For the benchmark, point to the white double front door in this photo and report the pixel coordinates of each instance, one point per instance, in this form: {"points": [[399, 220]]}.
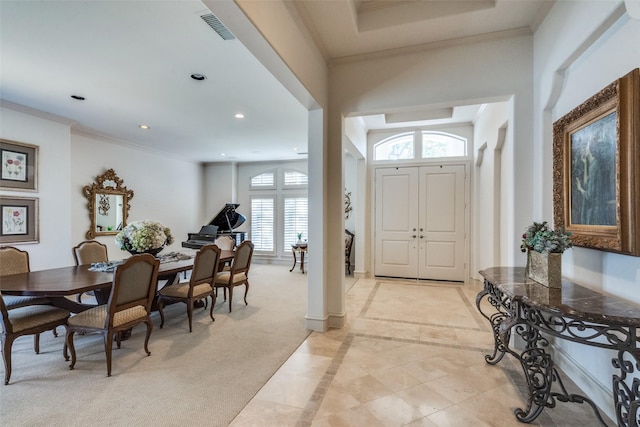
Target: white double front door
{"points": [[420, 222]]}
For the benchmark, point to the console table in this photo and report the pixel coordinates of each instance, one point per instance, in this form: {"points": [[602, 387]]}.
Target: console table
{"points": [[295, 250], [573, 312]]}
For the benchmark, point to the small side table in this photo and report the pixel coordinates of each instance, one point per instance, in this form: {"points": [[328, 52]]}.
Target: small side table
{"points": [[295, 250]]}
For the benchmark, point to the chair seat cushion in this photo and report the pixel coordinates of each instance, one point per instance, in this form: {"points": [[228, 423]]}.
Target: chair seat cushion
{"points": [[96, 317], [19, 301], [222, 278], [181, 290], [35, 315]]}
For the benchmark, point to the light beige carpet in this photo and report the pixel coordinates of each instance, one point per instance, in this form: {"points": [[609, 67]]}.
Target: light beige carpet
{"points": [[205, 377]]}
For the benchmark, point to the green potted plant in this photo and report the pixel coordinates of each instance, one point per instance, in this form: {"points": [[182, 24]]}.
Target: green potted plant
{"points": [[544, 248]]}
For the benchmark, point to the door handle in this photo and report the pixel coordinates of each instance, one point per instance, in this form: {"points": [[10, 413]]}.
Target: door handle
{"points": [[421, 236], [414, 236]]}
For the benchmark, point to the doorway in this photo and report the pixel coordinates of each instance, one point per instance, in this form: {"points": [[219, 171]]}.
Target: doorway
{"points": [[420, 222]]}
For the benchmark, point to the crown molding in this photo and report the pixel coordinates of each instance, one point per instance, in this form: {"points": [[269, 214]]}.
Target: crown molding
{"points": [[35, 112], [497, 35]]}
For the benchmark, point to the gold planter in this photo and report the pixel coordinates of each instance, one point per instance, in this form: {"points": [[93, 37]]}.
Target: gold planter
{"points": [[546, 269]]}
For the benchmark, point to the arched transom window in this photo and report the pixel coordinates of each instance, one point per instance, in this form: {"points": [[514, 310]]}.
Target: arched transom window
{"points": [[430, 145], [397, 147], [440, 144]]}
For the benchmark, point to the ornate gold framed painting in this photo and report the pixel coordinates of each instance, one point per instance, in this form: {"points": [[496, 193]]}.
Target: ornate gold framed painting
{"points": [[19, 166], [19, 220], [596, 169]]}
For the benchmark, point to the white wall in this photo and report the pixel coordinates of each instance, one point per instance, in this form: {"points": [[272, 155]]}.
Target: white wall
{"points": [[581, 48], [54, 176], [355, 147], [491, 71], [165, 190], [487, 203], [220, 188]]}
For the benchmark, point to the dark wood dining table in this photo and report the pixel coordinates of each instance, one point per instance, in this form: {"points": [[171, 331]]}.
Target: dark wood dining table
{"points": [[59, 283]]}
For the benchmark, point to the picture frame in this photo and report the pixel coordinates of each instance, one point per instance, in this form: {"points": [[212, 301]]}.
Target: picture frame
{"points": [[18, 166], [19, 220], [596, 169]]}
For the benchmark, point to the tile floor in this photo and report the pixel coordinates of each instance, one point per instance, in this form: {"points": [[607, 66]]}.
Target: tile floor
{"points": [[410, 355]]}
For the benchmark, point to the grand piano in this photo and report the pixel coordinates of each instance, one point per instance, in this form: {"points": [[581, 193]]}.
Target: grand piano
{"points": [[223, 224]]}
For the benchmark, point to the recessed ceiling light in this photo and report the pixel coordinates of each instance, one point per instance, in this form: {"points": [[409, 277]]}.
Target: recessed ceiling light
{"points": [[295, 148], [145, 127], [199, 77], [239, 116], [78, 97], [223, 154]]}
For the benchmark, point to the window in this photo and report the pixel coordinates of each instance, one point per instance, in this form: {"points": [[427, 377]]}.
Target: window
{"points": [[279, 209], [438, 144], [266, 179], [296, 178], [262, 223], [398, 147], [296, 219]]}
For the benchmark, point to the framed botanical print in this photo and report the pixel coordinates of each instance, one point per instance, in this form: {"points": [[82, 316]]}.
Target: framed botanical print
{"points": [[19, 217], [18, 166], [596, 169]]}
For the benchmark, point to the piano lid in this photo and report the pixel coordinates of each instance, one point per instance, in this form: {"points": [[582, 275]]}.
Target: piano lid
{"points": [[228, 219]]}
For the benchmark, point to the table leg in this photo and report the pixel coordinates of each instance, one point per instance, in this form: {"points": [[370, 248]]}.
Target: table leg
{"points": [[295, 259], [626, 388], [302, 261], [69, 305], [495, 320]]}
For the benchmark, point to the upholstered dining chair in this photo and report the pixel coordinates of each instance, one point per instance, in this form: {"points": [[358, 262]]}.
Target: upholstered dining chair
{"points": [[238, 274], [15, 261], [198, 287], [88, 252], [348, 244], [26, 320], [226, 243], [133, 289]]}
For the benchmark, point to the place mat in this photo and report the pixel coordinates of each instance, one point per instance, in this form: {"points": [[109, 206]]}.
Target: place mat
{"points": [[173, 256], [112, 265], [105, 266]]}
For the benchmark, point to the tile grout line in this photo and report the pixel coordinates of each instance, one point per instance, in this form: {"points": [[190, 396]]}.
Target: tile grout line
{"points": [[310, 411]]}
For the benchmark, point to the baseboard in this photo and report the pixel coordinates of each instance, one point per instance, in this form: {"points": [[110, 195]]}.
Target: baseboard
{"points": [[316, 324], [601, 395], [337, 321]]}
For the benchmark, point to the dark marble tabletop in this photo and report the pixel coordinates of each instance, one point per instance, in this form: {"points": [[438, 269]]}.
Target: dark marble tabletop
{"points": [[572, 300]]}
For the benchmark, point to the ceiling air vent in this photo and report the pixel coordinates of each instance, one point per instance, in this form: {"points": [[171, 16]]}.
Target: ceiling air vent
{"points": [[218, 26]]}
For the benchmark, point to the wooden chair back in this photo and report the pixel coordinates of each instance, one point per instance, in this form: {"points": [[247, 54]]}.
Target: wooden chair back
{"points": [[90, 251], [205, 265], [348, 244], [134, 284], [225, 243], [13, 261], [242, 258]]}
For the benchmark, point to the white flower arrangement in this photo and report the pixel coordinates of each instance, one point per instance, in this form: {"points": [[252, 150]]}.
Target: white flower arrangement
{"points": [[142, 236]]}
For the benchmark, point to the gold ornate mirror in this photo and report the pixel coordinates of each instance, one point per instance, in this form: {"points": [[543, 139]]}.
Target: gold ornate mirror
{"points": [[108, 204]]}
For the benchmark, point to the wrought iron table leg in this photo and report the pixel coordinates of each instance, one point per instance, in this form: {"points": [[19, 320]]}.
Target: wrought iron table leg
{"points": [[495, 320], [540, 373], [626, 389]]}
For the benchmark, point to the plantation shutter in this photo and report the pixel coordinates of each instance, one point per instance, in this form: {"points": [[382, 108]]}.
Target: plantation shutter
{"points": [[262, 223], [296, 219]]}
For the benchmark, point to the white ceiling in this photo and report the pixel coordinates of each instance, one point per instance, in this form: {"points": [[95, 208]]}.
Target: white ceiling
{"points": [[132, 61]]}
